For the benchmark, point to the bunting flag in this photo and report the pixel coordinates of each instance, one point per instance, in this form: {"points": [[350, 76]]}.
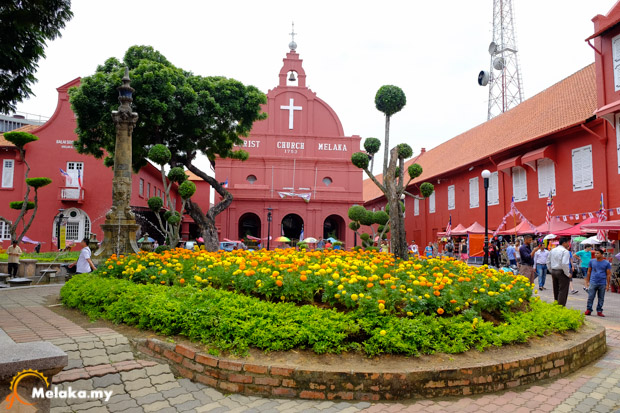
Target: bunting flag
{"points": [[602, 216], [517, 214], [550, 208], [449, 227]]}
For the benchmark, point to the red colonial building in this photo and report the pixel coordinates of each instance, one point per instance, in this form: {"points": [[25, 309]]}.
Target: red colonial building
{"points": [[299, 166], [84, 193], [563, 141]]}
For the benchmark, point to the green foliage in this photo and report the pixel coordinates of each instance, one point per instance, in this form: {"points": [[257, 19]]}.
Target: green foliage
{"points": [[19, 139], [27, 25], [177, 174], [356, 212], [38, 182], [18, 205], [189, 114], [162, 248], [381, 228], [47, 256], [397, 172], [426, 189], [302, 245], [390, 99], [174, 218], [240, 154], [360, 159], [404, 151], [380, 217], [354, 225], [402, 207], [155, 204], [233, 322], [414, 170], [365, 237], [372, 145], [368, 218], [160, 154], [187, 189]]}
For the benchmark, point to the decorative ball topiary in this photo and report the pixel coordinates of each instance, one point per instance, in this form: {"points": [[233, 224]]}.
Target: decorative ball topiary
{"points": [[390, 99], [404, 151], [365, 236], [354, 226], [167, 215], [174, 218], [368, 218], [177, 174], [18, 205], [414, 170], [357, 212], [426, 189], [360, 159], [38, 182], [160, 154], [187, 189], [20, 139], [381, 217], [155, 204], [302, 245], [372, 145], [162, 248]]}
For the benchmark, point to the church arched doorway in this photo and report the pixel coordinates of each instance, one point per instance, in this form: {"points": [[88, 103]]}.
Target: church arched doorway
{"points": [[249, 224], [333, 226], [292, 225]]}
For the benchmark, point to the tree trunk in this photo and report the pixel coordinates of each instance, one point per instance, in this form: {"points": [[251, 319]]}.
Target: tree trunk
{"points": [[397, 221]]}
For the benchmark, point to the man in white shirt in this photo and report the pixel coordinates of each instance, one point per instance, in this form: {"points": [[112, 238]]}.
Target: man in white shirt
{"points": [[540, 259], [84, 263], [559, 263], [14, 252]]}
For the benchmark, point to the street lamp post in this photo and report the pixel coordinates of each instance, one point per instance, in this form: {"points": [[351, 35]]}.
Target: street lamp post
{"points": [[268, 226], [58, 224], [486, 174]]}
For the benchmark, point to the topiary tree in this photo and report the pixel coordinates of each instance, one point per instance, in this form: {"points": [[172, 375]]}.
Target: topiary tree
{"points": [[161, 155], [390, 100], [20, 140], [191, 115], [361, 216]]}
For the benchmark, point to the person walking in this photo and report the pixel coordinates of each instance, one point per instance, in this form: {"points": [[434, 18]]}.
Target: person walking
{"points": [[511, 253], [450, 248], [428, 251], [584, 260], [598, 281], [464, 256], [540, 259], [559, 262], [84, 263], [527, 259], [14, 252], [413, 248], [494, 254]]}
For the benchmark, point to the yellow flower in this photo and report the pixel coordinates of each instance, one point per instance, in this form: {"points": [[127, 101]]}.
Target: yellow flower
{"points": [[383, 332], [354, 297]]}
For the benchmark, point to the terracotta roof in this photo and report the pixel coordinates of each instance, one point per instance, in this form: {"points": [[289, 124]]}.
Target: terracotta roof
{"points": [[567, 103], [25, 128]]}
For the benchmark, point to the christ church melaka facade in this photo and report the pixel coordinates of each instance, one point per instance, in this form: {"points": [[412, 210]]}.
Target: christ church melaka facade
{"points": [[299, 166]]}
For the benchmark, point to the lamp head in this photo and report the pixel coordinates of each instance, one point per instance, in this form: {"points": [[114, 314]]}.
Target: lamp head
{"points": [[486, 174]]}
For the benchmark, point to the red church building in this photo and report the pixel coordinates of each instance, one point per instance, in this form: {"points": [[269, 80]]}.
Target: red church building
{"points": [[81, 185], [564, 141], [299, 169]]}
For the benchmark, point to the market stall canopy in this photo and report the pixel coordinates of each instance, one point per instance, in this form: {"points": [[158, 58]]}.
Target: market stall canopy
{"points": [[591, 241], [556, 225], [576, 229], [474, 228], [521, 229], [605, 225], [458, 230]]}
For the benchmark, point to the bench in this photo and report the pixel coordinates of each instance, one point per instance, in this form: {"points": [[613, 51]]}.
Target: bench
{"points": [[18, 282], [4, 276], [48, 274]]}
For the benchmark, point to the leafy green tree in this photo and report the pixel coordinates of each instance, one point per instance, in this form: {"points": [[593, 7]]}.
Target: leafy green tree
{"points": [[390, 100], [26, 26], [189, 114], [361, 216], [21, 139]]}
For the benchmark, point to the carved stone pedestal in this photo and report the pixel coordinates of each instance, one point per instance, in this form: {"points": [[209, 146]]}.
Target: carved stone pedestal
{"points": [[118, 238]]}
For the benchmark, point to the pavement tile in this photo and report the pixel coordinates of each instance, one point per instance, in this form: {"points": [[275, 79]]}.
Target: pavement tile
{"points": [[155, 407], [122, 405]]}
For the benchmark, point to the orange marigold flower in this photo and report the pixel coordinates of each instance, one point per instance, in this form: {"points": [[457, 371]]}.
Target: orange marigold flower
{"points": [[437, 293], [279, 283], [370, 285], [303, 278], [453, 301], [381, 301], [182, 280], [440, 311]]}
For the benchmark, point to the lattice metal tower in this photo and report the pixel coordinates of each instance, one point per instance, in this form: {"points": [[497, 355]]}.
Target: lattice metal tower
{"points": [[503, 77]]}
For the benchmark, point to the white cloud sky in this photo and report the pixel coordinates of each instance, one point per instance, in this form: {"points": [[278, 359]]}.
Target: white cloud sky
{"points": [[432, 50]]}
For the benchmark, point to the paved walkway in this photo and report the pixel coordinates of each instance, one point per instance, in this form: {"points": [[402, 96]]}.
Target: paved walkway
{"points": [[102, 359]]}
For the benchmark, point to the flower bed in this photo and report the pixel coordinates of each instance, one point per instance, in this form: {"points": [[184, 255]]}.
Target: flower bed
{"points": [[325, 301]]}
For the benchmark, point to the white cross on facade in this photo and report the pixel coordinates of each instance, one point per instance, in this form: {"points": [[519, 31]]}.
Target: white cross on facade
{"points": [[291, 111]]}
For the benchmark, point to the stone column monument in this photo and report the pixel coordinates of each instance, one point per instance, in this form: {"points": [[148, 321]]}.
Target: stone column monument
{"points": [[120, 225]]}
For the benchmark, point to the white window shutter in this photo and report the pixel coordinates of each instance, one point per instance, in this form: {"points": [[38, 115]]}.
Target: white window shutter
{"points": [[431, 203], [582, 168], [8, 167], [546, 177], [474, 193], [618, 139], [615, 45], [519, 184], [494, 189], [416, 207], [451, 200]]}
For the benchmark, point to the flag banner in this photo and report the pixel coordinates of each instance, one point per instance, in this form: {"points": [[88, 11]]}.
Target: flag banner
{"points": [[68, 178], [617, 210], [564, 218], [514, 211], [590, 215], [305, 197], [611, 212]]}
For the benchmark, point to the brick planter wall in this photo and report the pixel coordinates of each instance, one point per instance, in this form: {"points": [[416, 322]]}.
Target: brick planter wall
{"points": [[255, 379]]}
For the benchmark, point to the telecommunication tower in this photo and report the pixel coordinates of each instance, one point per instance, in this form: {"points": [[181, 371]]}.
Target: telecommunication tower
{"points": [[503, 77]]}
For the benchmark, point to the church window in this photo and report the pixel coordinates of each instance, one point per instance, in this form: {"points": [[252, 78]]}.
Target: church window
{"points": [[451, 200], [141, 187], [494, 189], [519, 184], [416, 207], [8, 167], [327, 181], [582, 168], [546, 177], [251, 179], [474, 193], [431, 203]]}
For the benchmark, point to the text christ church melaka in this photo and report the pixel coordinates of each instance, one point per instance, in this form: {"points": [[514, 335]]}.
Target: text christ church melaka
{"points": [[299, 166]]}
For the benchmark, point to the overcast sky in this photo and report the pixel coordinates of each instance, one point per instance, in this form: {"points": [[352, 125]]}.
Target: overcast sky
{"points": [[433, 50]]}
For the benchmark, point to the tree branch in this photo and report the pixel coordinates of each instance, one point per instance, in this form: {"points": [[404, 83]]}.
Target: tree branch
{"points": [[34, 212], [226, 196], [372, 177]]}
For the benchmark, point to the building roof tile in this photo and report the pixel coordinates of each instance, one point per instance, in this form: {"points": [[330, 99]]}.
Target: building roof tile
{"points": [[567, 103], [25, 128]]}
